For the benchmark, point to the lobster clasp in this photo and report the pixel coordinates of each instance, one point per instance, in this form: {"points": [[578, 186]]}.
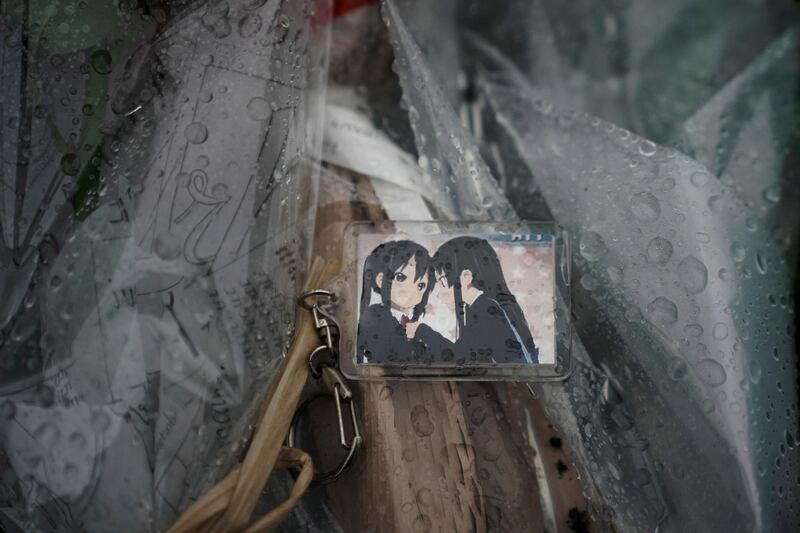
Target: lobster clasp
{"points": [[334, 385], [326, 325], [333, 380], [324, 366]]}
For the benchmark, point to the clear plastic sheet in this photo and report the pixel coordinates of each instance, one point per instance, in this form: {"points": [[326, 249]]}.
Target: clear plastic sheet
{"points": [[683, 412], [140, 332]]}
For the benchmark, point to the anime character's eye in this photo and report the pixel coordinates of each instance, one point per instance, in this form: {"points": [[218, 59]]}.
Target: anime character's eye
{"points": [[399, 276], [421, 285]]}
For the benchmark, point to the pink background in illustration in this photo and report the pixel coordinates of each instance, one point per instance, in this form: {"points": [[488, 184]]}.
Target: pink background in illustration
{"points": [[528, 269]]}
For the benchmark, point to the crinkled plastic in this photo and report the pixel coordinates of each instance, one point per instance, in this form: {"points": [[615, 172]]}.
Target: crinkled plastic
{"points": [[682, 411], [139, 334]]}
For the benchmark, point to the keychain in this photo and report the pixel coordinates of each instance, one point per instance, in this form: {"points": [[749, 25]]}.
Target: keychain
{"points": [[324, 367]]}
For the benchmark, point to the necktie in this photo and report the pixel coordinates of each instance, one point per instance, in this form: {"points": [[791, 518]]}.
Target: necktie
{"points": [[404, 320]]}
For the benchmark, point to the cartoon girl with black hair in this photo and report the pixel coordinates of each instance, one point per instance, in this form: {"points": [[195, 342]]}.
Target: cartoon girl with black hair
{"points": [[400, 272], [491, 327]]}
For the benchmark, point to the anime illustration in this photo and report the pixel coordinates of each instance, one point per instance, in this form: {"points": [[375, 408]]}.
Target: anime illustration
{"points": [[399, 273], [469, 286]]}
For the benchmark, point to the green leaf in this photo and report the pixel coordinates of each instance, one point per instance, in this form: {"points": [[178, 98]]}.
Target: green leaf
{"points": [[87, 185], [90, 142], [93, 111]]}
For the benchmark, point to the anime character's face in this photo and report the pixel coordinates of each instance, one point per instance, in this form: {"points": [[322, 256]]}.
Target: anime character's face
{"points": [[444, 292], [406, 291]]}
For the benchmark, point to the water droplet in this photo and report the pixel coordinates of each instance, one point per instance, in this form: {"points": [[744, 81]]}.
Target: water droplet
{"points": [[693, 274], [647, 148], [196, 133], [737, 252], [283, 20], [676, 370], [659, 250], [101, 61], [720, 331], [772, 194], [70, 164], [615, 274], [249, 25], [424, 497], [693, 330], [421, 421], [711, 372], [702, 237], [251, 5], [258, 108], [645, 207], [716, 203], [761, 263], [591, 247], [726, 275], [668, 185], [409, 455], [589, 282], [215, 20], [422, 524], [700, 178], [385, 392], [662, 312], [754, 371]]}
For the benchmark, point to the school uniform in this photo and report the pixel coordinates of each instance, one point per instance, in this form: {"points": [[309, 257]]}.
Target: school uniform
{"points": [[488, 335], [382, 337]]}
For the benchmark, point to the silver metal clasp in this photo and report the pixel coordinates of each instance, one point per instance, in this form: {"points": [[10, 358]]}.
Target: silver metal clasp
{"points": [[324, 366]]}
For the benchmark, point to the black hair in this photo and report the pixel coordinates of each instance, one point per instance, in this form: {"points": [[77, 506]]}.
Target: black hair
{"points": [[479, 257], [389, 258]]}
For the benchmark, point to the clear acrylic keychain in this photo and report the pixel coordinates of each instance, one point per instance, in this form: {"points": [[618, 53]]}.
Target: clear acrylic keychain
{"points": [[454, 301]]}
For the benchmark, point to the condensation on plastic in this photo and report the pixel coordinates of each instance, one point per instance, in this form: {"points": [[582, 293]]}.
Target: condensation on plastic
{"points": [[140, 334], [585, 400], [668, 430], [682, 411]]}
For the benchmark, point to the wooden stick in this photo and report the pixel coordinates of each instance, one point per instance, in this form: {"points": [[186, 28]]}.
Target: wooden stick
{"points": [[229, 505]]}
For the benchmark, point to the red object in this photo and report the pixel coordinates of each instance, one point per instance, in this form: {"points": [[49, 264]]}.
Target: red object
{"points": [[404, 320], [340, 7]]}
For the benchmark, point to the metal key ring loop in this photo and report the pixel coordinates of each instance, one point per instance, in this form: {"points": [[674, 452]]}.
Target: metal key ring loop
{"points": [[305, 300], [352, 447]]}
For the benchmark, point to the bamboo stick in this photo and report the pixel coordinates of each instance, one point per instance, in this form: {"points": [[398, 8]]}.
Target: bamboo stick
{"points": [[229, 505]]}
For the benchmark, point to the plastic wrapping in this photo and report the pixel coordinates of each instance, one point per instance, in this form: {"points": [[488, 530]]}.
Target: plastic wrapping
{"points": [[153, 243], [667, 252], [136, 346]]}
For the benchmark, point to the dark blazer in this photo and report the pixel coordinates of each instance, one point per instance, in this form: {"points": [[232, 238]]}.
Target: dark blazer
{"points": [[381, 339], [487, 337]]}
